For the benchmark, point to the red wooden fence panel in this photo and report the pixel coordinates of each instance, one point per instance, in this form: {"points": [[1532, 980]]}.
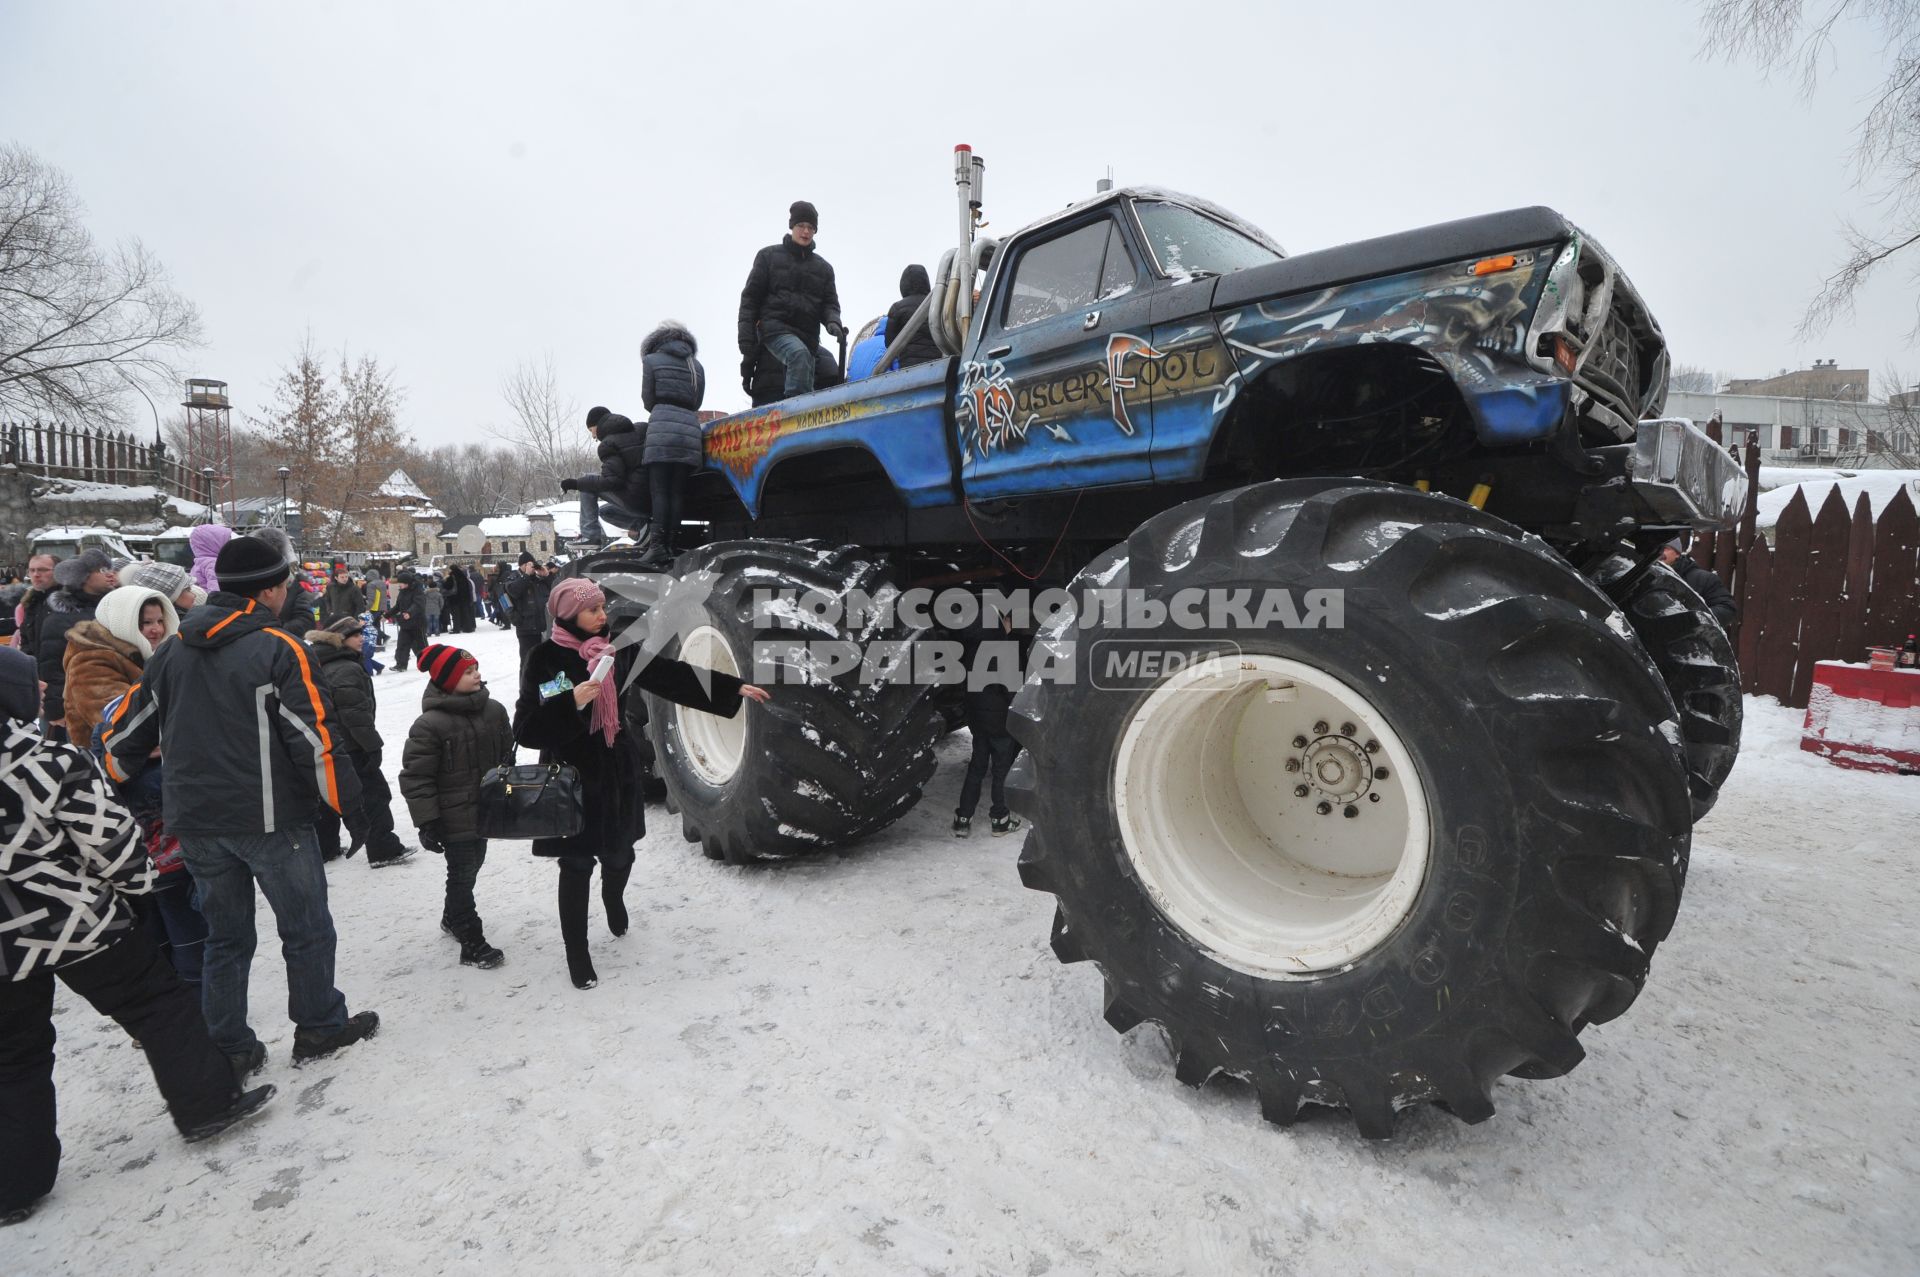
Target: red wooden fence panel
{"points": [[1792, 543], [1853, 623], [1756, 580], [1825, 595]]}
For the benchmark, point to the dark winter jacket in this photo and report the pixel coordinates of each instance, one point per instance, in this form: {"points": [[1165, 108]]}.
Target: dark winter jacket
{"points": [[351, 689], [65, 609], [408, 611], [672, 386], [33, 616], [789, 290], [10, 597], [252, 740], [609, 775], [914, 288], [68, 850], [296, 614], [342, 598], [1712, 591], [457, 739], [623, 476], [527, 596]]}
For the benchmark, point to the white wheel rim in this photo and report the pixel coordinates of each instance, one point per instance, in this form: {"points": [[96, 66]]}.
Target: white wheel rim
{"points": [[1227, 848], [715, 745]]}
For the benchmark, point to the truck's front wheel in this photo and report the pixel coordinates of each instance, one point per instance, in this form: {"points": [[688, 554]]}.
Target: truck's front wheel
{"points": [[1382, 858], [829, 759]]}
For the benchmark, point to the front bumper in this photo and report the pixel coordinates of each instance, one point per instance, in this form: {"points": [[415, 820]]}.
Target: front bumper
{"points": [[1683, 477]]}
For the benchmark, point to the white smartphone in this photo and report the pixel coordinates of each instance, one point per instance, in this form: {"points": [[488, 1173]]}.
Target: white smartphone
{"points": [[601, 668]]}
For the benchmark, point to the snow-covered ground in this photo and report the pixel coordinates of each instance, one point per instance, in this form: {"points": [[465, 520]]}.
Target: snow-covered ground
{"points": [[872, 1064]]}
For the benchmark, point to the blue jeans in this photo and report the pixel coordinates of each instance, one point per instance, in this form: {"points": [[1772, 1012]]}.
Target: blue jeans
{"points": [[287, 866], [593, 505], [798, 360]]}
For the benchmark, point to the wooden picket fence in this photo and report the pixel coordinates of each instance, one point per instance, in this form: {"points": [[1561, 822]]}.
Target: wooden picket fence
{"points": [[90, 455], [1833, 583]]}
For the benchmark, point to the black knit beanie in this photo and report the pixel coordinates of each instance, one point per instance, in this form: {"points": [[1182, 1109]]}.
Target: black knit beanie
{"points": [[801, 211], [594, 414], [248, 565]]}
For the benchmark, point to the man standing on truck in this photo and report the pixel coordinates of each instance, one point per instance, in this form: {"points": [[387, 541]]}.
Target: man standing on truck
{"points": [[789, 297]]}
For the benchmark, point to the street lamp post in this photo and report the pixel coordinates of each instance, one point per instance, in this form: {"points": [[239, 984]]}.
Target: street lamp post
{"points": [[284, 474], [207, 473]]}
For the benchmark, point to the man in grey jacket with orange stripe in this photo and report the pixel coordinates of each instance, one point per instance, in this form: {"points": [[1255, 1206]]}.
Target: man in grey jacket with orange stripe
{"points": [[250, 741]]}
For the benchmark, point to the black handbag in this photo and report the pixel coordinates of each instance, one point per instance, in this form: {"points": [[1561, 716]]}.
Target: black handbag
{"points": [[538, 801]]}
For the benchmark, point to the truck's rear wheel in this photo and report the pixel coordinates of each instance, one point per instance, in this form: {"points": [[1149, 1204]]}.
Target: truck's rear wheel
{"points": [[825, 762], [1697, 660], [1370, 865]]}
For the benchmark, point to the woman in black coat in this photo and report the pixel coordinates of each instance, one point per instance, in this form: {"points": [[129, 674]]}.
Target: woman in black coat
{"points": [[572, 720]]}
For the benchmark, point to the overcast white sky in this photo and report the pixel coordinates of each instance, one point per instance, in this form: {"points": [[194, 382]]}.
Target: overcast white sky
{"points": [[455, 187]]}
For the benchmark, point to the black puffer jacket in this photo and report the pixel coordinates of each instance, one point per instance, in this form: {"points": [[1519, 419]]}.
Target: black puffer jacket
{"points": [[252, 740], [33, 615], [914, 287], [622, 476], [609, 774], [408, 609], [342, 598], [789, 290], [351, 687], [672, 386], [527, 596], [457, 739], [65, 609]]}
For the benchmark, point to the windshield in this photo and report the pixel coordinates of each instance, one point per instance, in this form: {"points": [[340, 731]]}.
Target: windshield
{"points": [[1188, 243]]}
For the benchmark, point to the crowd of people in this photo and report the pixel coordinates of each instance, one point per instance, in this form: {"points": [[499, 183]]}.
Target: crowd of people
{"points": [[196, 747], [174, 740]]}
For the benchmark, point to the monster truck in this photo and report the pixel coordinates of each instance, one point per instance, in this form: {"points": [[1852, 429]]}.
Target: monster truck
{"points": [[1410, 832]]}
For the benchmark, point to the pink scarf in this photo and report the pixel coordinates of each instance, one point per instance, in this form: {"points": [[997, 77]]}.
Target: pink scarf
{"points": [[606, 706]]}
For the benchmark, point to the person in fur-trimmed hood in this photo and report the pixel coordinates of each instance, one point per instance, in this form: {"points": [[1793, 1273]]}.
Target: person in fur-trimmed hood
{"points": [[672, 387], [107, 653], [83, 580]]}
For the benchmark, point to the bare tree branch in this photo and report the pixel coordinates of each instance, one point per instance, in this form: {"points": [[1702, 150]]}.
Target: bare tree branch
{"points": [[546, 423], [1886, 152], [74, 322]]}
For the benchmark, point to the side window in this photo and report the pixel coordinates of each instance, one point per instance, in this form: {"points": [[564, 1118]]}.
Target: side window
{"points": [[1118, 275], [1059, 276]]}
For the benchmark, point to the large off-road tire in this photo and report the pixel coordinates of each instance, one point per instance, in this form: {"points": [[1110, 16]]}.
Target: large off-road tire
{"points": [[1695, 657], [1525, 853], [827, 761]]}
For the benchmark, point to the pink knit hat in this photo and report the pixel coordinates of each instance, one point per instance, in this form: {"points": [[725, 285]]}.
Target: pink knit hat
{"points": [[573, 596]]}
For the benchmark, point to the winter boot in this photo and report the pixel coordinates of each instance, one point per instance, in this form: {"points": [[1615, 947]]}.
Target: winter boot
{"points": [[476, 952], [614, 872], [404, 854], [573, 928], [246, 1106], [312, 1044], [19, 1214], [247, 1062], [962, 826], [1005, 824]]}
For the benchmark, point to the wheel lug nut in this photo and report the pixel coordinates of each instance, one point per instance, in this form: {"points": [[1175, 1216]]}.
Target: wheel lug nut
{"points": [[1349, 811], [1379, 773], [1348, 729], [1299, 742], [1324, 808], [1373, 798], [1373, 747], [1300, 791], [1320, 728], [1293, 764]]}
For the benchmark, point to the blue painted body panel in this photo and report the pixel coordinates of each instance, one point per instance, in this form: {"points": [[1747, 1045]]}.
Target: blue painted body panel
{"points": [[1143, 402]]}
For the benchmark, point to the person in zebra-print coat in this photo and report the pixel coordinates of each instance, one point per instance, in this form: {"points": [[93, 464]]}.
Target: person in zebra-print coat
{"points": [[69, 855]]}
